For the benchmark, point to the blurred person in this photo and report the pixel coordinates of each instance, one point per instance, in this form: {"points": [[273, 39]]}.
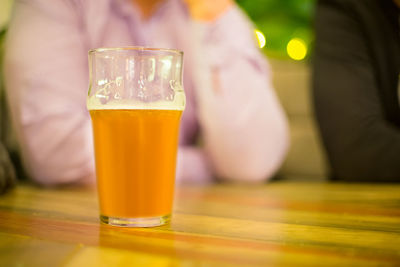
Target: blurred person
{"points": [[230, 100], [7, 170], [356, 87]]}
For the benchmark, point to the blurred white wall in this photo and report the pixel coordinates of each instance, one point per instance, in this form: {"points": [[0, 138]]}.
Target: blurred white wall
{"points": [[306, 158]]}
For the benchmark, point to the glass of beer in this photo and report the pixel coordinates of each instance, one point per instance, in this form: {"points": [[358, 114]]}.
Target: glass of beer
{"points": [[135, 100]]}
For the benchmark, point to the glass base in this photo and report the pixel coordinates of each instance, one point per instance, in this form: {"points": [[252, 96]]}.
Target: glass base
{"points": [[136, 222]]}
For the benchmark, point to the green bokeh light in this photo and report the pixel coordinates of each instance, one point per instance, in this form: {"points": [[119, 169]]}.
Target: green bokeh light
{"points": [[281, 21]]}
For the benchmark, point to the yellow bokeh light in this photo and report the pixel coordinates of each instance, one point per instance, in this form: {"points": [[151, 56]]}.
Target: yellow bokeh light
{"points": [[260, 38], [296, 49]]}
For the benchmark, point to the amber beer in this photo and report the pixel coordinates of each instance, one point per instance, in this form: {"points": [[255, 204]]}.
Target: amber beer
{"points": [[135, 153], [135, 100]]}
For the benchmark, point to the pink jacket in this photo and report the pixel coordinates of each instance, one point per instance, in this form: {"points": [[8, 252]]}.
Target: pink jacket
{"points": [[243, 129]]}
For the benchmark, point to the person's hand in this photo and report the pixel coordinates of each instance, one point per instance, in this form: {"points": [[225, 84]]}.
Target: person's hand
{"points": [[7, 173], [207, 10]]}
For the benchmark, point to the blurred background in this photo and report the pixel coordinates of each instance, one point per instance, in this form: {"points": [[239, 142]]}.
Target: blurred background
{"points": [[284, 30], [285, 34]]}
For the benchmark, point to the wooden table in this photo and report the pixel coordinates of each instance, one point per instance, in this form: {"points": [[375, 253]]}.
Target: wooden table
{"points": [[281, 223]]}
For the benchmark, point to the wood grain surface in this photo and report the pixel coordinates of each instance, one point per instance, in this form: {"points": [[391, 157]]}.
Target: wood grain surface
{"points": [[276, 224]]}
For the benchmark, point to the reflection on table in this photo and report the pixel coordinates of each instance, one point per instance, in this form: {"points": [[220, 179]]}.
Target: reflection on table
{"points": [[279, 223]]}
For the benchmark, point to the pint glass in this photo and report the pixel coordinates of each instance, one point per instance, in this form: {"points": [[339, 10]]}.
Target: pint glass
{"points": [[135, 102]]}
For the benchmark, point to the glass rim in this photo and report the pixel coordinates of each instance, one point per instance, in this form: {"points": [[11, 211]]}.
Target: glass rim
{"points": [[136, 48]]}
